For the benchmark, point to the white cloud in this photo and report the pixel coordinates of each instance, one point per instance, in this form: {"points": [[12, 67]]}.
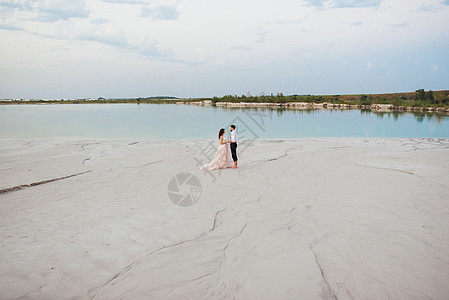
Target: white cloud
{"points": [[161, 12], [267, 40], [399, 25], [132, 2], [104, 32], [49, 10], [52, 10], [344, 3]]}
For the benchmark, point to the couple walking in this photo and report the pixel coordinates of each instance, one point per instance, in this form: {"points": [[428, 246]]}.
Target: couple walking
{"points": [[223, 158]]}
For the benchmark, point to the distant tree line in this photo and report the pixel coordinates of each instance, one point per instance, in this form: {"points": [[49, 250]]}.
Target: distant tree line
{"points": [[418, 98]]}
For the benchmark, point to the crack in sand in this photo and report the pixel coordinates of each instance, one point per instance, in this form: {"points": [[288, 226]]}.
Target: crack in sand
{"points": [[83, 145], [224, 255], [153, 162], [215, 218], [285, 153], [146, 165], [275, 158], [22, 186], [402, 171], [326, 282], [131, 265], [380, 284], [390, 169]]}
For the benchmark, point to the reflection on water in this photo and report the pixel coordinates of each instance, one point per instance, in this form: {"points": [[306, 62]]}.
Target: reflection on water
{"points": [[419, 116], [168, 121]]}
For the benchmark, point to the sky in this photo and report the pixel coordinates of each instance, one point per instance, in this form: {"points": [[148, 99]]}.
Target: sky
{"points": [[73, 49]]}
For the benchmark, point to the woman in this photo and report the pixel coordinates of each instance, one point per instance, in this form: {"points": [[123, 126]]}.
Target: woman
{"points": [[223, 157]]}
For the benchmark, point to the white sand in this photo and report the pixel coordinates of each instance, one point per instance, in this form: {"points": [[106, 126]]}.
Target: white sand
{"points": [[307, 219]]}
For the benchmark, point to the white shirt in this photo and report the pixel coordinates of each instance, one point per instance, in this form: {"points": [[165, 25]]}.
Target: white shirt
{"points": [[233, 136]]}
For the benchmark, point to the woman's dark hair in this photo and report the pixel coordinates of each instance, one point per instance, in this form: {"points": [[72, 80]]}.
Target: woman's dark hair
{"points": [[220, 133]]}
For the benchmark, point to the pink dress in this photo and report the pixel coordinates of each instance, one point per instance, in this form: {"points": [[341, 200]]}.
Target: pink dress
{"points": [[221, 160]]}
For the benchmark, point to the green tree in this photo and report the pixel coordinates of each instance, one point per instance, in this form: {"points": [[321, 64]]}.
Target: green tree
{"points": [[420, 95], [431, 97]]}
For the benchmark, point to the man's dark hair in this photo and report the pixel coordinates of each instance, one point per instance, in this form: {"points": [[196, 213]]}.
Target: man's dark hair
{"points": [[233, 126]]}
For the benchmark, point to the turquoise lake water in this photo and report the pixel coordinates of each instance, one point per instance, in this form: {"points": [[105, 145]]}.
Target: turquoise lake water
{"points": [[170, 121]]}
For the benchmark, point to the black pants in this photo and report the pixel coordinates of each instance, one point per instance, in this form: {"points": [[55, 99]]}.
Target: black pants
{"points": [[234, 151]]}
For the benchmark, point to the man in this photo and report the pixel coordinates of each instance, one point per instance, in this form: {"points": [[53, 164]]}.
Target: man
{"points": [[233, 145]]}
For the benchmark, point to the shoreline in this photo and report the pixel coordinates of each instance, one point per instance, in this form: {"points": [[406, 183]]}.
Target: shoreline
{"points": [[194, 140], [313, 105], [287, 105], [417, 101]]}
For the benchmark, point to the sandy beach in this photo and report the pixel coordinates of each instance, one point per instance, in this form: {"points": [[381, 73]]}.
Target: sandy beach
{"points": [[332, 218]]}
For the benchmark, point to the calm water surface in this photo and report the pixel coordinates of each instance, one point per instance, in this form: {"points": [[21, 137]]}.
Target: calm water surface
{"points": [[170, 121]]}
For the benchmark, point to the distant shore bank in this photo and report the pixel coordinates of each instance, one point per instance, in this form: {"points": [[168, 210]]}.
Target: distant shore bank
{"points": [[306, 105], [418, 101]]}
